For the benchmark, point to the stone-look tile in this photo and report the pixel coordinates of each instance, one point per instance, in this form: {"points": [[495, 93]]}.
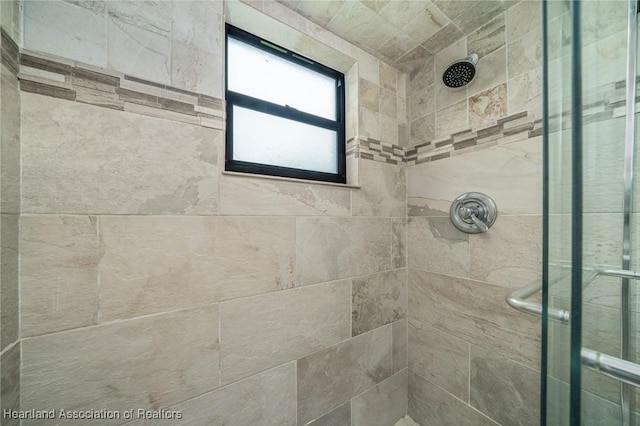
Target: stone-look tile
{"points": [[494, 72], [383, 404], [394, 48], [368, 123], [59, 273], [340, 416], [10, 383], [369, 95], [320, 12], [398, 243], [441, 358], [602, 20], [445, 37], [525, 93], [451, 118], [435, 245], [9, 280], [422, 77], [595, 410], [607, 58], [422, 102], [149, 363], [486, 171], [402, 110], [350, 20], [388, 129], [264, 331], [400, 345], [497, 382], [488, 106], [382, 192], [402, 11], [477, 14], [378, 299], [488, 38], [376, 33], [388, 103], [423, 130], [331, 377], [430, 405], [388, 77], [150, 16], [522, 18], [246, 196], [426, 24], [476, 312], [524, 54], [160, 263], [334, 248], [510, 254], [9, 143], [46, 29], [148, 55], [196, 70], [267, 398], [85, 159]]}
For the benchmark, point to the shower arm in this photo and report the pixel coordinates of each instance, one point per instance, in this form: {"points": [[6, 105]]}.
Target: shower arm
{"points": [[616, 368]]}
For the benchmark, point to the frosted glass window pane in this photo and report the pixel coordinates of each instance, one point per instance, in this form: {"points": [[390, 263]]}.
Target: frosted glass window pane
{"points": [[267, 139], [259, 74]]}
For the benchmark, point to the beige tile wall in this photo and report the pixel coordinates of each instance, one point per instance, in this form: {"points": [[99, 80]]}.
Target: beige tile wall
{"points": [[10, 348], [152, 280], [508, 77], [470, 354]]}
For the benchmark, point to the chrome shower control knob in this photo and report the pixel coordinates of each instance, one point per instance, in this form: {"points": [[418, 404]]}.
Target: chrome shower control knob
{"points": [[473, 212]]}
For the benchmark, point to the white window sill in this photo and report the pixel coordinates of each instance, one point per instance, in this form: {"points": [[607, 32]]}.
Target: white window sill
{"points": [[286, 179]]}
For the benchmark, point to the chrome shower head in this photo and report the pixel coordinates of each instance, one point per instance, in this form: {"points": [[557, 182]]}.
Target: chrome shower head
{"points": [[461, 72]]}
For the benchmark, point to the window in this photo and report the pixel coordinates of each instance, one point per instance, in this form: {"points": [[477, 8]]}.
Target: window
{"points": [[285, 113]]}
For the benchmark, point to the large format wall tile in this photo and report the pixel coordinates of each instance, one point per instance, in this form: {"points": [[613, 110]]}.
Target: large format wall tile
{"points": [[47, 27], [268, 399], [10, 383], [59, 273], [331, 377], [439, 357], [497, 382], [383, 191], [382, 405], [340, 416], [147, 363], [400, 345], [334, 248], [148, 51], [430, 405], [399, 243], [9, 280], [483, 171], [510, 254], [434, 244], [263, 331], [476, 312], [247, 196], [160, 263], [80, 158], [378, 299]]}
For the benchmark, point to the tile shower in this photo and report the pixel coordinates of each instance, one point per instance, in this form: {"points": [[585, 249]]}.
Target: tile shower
{"points": [[148, 279]]}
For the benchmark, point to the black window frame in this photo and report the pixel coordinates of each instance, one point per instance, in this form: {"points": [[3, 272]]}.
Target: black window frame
{"points": [[260, 105]]}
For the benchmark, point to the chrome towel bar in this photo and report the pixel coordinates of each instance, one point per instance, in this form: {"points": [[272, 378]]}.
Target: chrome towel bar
{"points": [[619, 369]]}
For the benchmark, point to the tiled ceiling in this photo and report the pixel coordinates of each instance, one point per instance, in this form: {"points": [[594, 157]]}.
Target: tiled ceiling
{"points": [[402, 32]]}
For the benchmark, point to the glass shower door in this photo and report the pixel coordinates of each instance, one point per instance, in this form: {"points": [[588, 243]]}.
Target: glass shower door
{"points": [[590, 225]]}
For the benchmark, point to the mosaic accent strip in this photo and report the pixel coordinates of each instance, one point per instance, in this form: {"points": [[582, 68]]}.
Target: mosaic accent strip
{"points": [[75, 82], [508, 129], [372, 149]]}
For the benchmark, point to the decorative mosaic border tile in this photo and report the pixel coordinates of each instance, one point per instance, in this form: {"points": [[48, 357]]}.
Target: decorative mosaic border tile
{"points": [[80, 83], [513, 128]]}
